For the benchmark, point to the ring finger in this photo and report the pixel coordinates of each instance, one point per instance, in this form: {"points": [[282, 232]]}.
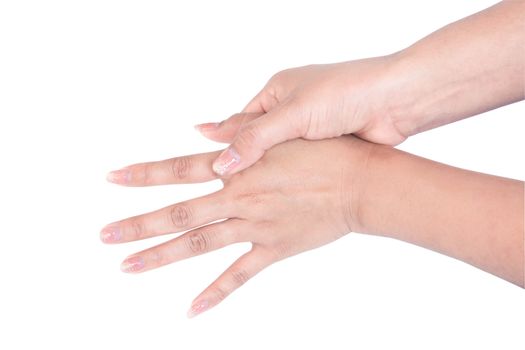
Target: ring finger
{"points": [[196, 242]]}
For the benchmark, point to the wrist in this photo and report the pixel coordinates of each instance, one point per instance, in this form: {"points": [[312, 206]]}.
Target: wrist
{"points": [[355, 168], [407, 86], [392, 112], [378, 189]]}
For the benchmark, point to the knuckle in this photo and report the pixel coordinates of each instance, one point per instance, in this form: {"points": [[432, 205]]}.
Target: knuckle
{"points": [[180, 216], [234, 117], [219, 293], [180, 167], [137, 228], [248, 136], [235, 235], [157, 258], [250, 198], [282, 250], [279, 76], [146, 177], [240, 277], [294, 117], [198, 242], [274, 79]]}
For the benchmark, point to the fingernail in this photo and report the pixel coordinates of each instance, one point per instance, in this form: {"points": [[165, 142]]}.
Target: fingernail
{"points": [[132, 264], [110, 234], [121, 176], [198, 308], [226, 161], [206, 127]]}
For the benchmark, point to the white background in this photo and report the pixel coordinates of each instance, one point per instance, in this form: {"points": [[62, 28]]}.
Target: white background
{"points": [[90, 86]]}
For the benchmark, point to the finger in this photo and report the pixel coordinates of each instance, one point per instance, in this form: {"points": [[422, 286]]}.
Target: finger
{"points": [[174, 218], [178, 170], [235, 276], [226, 130], [263, 102], [195, 242], [255, 138]]}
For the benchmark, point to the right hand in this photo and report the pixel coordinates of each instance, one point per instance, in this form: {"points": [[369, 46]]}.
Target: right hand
{"points": [[311, 102]]}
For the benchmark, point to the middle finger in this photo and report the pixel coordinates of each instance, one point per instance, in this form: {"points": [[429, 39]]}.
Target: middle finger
{"points": [[171, 219]]}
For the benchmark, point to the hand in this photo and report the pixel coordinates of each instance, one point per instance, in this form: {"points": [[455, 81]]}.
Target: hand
{"points": [[386, 99], [297, 197], [312, 102]]}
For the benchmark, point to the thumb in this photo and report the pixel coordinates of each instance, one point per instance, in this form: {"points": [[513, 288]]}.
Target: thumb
{"points": [[255, 137]]}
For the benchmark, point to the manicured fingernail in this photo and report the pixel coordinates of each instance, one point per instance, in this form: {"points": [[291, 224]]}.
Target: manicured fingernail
{"points": [[226, 161], [206, 127], [132, 264], [110, 234], [121, 176], [198, 308]]}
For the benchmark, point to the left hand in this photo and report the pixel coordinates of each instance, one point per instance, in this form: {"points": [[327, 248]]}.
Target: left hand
{"points": [[299, 196]]}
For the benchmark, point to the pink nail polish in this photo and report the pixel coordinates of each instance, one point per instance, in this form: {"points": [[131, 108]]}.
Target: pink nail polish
{"points": [[198, 308], [121, 176], [226, 161], [132, 264], [110, 234], [206, 127]]}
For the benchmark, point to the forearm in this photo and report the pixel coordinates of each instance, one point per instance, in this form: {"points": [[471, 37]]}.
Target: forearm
{"points": [[466, 68], [473, 217]]}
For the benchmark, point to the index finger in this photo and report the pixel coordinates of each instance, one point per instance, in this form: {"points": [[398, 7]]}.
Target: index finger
{"points": [[179, 170]]}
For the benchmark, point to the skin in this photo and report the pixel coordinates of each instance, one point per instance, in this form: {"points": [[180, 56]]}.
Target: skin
{"points": [[468, 67], [304, 194], [301, 194]]}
